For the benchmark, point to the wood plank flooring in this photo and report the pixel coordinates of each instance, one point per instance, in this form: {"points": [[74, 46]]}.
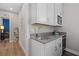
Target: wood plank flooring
{"points": [[10, 49]]}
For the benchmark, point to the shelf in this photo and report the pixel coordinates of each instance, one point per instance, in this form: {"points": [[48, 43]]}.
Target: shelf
{"points": [[46, 24]]}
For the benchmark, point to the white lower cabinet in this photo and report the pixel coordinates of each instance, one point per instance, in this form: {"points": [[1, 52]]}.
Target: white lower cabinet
{"points": [[59, 46], [37, 48], [50, 49], [53, 48]]}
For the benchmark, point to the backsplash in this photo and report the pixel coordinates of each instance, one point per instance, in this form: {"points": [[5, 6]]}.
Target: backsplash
{"points": [[46, 34], [37, 28], [43, 34]]}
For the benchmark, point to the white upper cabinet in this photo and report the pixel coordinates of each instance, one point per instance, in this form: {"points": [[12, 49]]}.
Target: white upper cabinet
{"points": [[33, 11], [50, 13], [47, 13], [42, 13], [59, 8], [39, 13], [58, 15]]}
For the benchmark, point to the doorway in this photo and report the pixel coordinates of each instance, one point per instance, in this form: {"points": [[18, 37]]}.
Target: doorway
{"points": [[6, 25], [5, 34]]}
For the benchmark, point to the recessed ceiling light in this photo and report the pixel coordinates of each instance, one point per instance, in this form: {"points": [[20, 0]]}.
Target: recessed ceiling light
{"points": [[11, 8]]}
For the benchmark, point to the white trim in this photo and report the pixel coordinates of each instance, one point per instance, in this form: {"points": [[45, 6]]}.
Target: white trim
{"points": [[8, 11], [23, 49], [72, 51], [10, 41]]}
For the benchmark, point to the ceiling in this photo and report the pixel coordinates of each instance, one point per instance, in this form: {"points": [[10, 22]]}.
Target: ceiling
{"points": [[11, 7]]}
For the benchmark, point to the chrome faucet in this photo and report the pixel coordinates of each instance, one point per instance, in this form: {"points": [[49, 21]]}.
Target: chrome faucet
{"points": [[37, 32]]}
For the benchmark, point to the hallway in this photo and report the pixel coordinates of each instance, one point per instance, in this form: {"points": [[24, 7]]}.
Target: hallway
{"points": [[10, 49]]}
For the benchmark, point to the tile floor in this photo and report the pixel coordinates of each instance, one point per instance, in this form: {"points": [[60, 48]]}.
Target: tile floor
{"points": [[68, 54]]}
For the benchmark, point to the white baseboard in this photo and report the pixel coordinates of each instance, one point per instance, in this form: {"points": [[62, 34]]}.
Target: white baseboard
{"points": [[72, 51], [23, 49], [10, 41]]}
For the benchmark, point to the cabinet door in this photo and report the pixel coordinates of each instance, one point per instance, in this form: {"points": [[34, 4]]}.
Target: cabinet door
{"points": [[58, 12], [59, 46], [37, 48], [50, 49], [42, 13], [33, 12], [59, 8], [50, 13]]}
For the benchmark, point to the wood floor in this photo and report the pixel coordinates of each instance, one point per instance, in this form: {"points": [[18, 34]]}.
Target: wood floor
{"points": [[10, 49]]}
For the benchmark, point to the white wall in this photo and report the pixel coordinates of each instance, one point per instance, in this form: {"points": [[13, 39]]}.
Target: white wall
{"points": [[24, 28], [71, 25], [13, 21], [1, 22]]}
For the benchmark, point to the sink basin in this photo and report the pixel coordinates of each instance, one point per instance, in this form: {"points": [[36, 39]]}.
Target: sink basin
{"points": [[39, 38]]}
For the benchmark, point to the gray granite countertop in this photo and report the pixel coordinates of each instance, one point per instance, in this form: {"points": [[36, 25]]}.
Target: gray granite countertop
{"points": [[45, 40], [47, 37]]}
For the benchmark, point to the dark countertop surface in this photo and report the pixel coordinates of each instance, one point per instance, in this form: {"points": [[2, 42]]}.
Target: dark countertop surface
{"points": [[47, 39]]}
